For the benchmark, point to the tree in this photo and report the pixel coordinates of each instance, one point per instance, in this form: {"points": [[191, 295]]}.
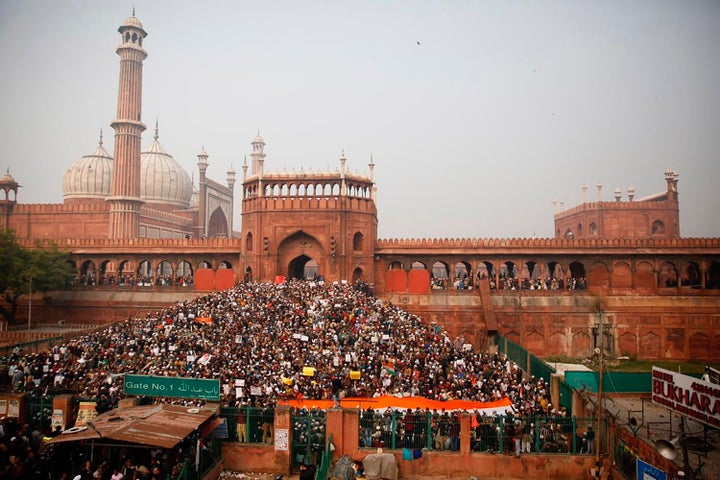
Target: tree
{"points": [[42, 269]]}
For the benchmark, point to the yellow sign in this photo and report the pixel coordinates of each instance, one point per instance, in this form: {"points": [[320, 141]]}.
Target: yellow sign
{"points": [[309, 371]]}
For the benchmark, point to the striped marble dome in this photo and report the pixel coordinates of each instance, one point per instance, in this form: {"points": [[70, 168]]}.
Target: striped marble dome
{"points": [[162, 180], [90, 177]]}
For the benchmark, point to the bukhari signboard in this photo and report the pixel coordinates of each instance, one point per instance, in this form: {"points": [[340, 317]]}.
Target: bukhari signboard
{"points": [[687, 395], [175, 387]]}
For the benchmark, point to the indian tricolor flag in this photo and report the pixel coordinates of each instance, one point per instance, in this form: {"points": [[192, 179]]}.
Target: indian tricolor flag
{"points": [[388, 368]]}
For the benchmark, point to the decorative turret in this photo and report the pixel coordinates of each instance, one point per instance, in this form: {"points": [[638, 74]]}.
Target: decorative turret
{"points": [[258, 155], [8, 199]]}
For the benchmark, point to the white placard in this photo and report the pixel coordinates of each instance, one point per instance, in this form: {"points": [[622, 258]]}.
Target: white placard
{"points": [[281, 439]]}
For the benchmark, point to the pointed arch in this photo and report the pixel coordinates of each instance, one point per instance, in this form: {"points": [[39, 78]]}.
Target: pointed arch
{"points": [[218, 224]]}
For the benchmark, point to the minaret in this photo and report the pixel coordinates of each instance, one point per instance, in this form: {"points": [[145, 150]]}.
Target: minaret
{"points": [[257, 155], [231, 179], [202, 206], [124, 196]]}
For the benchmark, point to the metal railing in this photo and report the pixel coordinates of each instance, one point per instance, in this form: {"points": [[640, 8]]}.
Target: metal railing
{"points": [[496, 434], [249, 424]]}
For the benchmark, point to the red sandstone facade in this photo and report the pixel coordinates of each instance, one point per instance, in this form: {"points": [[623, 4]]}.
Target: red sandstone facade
{"points": [[660, 294]]}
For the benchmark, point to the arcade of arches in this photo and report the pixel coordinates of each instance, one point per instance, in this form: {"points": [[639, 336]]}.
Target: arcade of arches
{"points": [[423, 275]]}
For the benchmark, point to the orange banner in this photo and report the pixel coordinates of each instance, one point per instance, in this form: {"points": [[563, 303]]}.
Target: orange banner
{"points": [[207, 320], [387, 401]]}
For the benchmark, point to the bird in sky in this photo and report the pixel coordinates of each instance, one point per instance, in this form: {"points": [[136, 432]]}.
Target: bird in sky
{"points": [[418, 42]]}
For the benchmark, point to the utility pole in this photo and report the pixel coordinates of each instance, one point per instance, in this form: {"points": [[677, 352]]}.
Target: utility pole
{"points": [[29, 311], [601, 360]]}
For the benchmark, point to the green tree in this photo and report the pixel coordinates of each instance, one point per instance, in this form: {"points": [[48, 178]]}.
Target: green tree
{"points": [[43, 268]]}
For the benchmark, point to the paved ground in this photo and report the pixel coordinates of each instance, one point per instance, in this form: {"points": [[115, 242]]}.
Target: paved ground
{"points": [[655, 422]]}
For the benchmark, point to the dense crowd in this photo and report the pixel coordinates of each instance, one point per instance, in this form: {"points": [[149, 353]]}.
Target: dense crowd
{"points": [[257, 338], [267, 342]]}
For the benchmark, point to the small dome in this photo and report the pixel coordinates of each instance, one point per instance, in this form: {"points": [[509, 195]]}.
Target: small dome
{"points": [[8, 179], [89, 177], [162, 179], [133, 22], [258, 139]]}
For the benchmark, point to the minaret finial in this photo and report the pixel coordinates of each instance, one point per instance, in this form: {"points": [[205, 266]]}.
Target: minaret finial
{"points": [[101, 140], [157, 129], [133, 12]]}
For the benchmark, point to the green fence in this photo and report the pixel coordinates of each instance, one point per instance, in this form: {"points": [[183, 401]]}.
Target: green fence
{"points": [[537, 367], [613, 382], [526, 360], [325, 462]]}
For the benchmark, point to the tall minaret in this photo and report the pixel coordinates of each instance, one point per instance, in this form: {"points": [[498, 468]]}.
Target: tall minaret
{"points": [[124, 196]]}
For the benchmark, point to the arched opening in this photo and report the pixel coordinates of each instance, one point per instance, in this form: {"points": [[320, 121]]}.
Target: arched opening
{"points": [[569, 234], [530, 276], [462, 276], [218, 225], [88, 273], [578, 276], [164, 274], [303, 268], [357, 275], [224, 264], [580, 230], [184, 274], [204, 264], [691, 276], [554, 277], [712, 276], [248, 274], [658, 227], [145, 275], [107, 276], [126, 273], [593, 230], [668, 277], [508, 276], [249, 242], [358, 241], [439, 276]]}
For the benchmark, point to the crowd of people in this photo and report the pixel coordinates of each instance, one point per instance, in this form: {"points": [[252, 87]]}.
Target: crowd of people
{"points": [[267, 342], [258, 337]]}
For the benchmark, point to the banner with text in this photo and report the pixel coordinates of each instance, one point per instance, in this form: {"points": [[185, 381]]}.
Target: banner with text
{"points": [[687, 395], [175, 387]]}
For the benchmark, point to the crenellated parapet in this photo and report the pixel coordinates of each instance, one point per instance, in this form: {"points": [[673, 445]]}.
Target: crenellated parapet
{"points": [[550, 243], [53, 208], [593, 206], [76, 245], [166, 216]]}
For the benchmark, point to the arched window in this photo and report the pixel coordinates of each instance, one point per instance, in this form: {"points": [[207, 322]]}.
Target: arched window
{"points": [[569, 234], [358, 241], [593, 230], [249, 242], [658, 227], [580, 230]]}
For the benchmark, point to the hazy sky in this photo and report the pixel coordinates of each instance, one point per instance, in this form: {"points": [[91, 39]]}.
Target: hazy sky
{"points": [[501, 108]]}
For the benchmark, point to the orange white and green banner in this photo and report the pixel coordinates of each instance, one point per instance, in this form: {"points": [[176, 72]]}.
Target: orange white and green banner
{"points": [[498, 407]]}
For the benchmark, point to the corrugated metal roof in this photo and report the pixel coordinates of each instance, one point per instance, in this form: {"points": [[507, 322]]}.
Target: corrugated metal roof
{"points": [[155, 425]]}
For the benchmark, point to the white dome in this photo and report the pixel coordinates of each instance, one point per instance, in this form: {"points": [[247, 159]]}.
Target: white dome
{"points": [[89, 177], [162, 179]]}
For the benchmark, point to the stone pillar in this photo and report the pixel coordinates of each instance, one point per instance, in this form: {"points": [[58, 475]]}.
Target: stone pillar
{"points": [[334, 426], [283, 428], [465, 438]]}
